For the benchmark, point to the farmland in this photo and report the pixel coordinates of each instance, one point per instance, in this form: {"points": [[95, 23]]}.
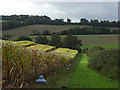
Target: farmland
{"points": [[27, 30], [53, 59], [34, 54], [93, 39], [41, 47]]}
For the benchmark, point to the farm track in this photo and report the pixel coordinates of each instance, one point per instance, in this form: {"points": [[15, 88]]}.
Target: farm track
{"points": [[83, 77], [80, 77]]}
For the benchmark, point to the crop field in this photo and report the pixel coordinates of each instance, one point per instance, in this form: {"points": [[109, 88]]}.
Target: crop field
{"points": [[21, 60], [41, 47], [44, 48], [66, 52], [23, 43]]}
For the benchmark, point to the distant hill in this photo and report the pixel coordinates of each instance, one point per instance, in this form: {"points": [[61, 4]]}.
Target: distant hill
{"points": [[27, 30]]}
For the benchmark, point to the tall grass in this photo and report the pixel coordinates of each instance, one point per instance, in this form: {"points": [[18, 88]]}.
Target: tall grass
{"points": [[21, 65]]}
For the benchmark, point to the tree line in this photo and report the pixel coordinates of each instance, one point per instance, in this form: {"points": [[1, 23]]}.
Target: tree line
{"points": [[80, 31], [72, 42], [14, 21]]}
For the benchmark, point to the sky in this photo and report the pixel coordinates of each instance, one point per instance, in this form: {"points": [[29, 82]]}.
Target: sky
{"points": [[90, 9]]}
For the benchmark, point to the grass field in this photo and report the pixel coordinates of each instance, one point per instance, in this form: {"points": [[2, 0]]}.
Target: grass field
{"points": [[27, 30], [102, 45]]}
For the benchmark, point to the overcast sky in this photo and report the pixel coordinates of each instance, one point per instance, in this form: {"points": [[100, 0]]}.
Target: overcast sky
{"points": [[72, 10]]}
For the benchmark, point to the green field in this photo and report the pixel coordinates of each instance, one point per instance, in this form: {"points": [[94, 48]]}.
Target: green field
{"points": [[102, 45]]}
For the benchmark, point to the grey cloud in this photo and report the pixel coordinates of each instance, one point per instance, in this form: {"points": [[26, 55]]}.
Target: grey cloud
{"points": [[89, 10]]}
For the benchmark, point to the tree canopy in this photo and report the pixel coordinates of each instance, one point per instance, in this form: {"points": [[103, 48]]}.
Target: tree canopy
{"points": [[14, 21]]}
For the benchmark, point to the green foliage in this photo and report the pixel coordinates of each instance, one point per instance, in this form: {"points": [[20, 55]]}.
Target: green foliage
{"points": [[71, 42], [87, 31], [6, 37], [22, 38], [41, 40], [34, 32], [55, 40], [68, 20], [84, 21], [46, 32], [96, 48], [14, 21], [104, 61]]}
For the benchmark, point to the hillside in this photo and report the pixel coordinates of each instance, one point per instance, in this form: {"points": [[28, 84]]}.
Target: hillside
{"points": [[27, 30]]}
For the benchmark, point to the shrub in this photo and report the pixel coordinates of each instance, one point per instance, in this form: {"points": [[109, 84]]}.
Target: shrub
{"points": [[22, 38], [55, 40], [41, 40], [96, 48], [6, 37], [46, 32], [104, 61], [71, 42]]}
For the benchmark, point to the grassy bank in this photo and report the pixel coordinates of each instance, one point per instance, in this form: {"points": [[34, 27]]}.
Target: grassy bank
{"points": [[83, 77]]}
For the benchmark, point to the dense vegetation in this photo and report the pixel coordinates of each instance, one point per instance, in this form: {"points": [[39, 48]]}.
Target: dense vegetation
{"points": [[14, 21], [69, 41], [88, 31], [104, 61], [21, 38], [26, 64]]}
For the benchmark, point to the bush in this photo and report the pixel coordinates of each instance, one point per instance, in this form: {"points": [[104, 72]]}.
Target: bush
{"points": [[41, 40], [35, 32], [104, 61], [6, 36], [71, 42], [96, 48], [22, 38], [55, 40], [46, 32]]}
